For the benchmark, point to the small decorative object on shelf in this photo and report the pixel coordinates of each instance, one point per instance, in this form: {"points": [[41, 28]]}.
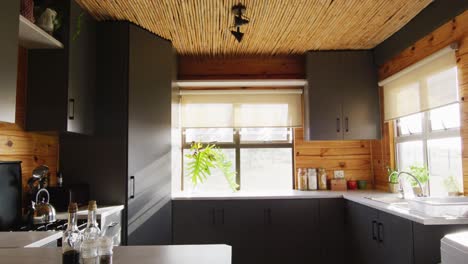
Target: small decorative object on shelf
{"points": [[47, 20], [338, 185], [362, 184], [352, 185], [27, 9]]}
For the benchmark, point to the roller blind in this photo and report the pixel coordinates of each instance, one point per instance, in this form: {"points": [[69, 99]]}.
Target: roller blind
{"points": [[428, 84], [241, 108]]}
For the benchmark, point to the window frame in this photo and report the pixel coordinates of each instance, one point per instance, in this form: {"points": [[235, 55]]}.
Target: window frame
{"points": [[426, 134], [237, 145]]}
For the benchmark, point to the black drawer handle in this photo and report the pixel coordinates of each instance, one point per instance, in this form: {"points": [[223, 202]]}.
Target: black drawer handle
{"points": [[71, 109], [347, 124], [338, 125], [381, 232], [132, 179], [374, 230]]}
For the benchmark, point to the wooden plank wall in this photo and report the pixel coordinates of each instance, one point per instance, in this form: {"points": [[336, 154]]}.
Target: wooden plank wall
{"points": [[32, 149], [354, 157], [455, 30]]}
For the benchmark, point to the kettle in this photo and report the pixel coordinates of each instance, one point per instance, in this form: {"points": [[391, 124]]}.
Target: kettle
{"points": [[44, 212]]}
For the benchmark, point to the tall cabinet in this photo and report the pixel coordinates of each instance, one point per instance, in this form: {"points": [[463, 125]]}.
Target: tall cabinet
{"points": [[9, 22], [128, 159], [341, 99]]}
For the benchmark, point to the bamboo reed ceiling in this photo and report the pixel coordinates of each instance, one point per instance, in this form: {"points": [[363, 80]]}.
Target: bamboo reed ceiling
{"points": [[202, 27]]}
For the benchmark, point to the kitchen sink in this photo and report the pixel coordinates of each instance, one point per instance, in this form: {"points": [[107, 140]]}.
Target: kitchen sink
{"points": [[394, 201], [440, 206]]}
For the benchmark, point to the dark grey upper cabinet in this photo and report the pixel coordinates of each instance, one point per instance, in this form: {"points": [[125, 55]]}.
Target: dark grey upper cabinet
{"points": [[9, 23], [61, 83], [341, 99]]}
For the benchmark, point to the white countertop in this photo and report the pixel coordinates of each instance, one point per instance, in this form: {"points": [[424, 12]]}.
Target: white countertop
{"points": [[102, 211], [355, 196], [28, 239], [184, 254]]}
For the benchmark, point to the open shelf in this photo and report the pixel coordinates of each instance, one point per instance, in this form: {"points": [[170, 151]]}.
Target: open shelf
{"points": [[33, 37]]}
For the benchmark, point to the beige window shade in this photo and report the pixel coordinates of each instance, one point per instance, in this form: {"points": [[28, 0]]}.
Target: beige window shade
{"points": [[428, 84], [241, 108]]}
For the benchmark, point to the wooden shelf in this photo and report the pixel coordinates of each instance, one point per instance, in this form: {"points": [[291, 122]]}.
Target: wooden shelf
{"points": [[33, 37]]}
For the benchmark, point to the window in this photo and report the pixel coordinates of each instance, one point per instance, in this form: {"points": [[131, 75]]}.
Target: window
{"points": [[432, 139], [262, 157]]}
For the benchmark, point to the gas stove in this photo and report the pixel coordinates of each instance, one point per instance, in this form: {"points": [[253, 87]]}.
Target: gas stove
{"points": [[59, 225]]}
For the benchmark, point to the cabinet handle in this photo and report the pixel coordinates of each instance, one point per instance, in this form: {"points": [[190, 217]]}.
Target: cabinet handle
{"points": [[338, 125], [374, 230], [71, 109], [132, 179], [381, 232], [213, 216], [346, 124]]}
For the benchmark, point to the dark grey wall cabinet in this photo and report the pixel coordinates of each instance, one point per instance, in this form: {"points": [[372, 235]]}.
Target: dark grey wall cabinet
{"points": [[128, 159], [264, 231], [341, 99], [9, 24], [61, 83]]}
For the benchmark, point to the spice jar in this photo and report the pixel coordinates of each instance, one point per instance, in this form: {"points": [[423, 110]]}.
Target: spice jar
{"points": [[89, 252], [105, 250], [301, 179]]}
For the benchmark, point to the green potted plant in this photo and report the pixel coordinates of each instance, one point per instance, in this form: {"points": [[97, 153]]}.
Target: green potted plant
{"points": [[422, 174], [393, 184], [205, 157]]}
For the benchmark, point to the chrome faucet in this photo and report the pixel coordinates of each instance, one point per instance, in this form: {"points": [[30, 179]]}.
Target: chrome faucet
{"points": [[415, 178]]}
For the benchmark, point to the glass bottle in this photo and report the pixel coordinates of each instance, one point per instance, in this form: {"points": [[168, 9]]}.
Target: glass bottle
{"points": [[92, 230], [72, 238], [89, 252], [105, 250]]}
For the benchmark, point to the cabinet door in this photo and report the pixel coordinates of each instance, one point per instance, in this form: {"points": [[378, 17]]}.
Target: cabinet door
{"points": [[149, 138], [395, 236], [195, 222], [9, 24], [361, 112], [82, 71], [361, 228], [332, 233], [292, 231], [323, 97]]}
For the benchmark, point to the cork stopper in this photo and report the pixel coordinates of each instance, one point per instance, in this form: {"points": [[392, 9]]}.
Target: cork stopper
{"points": [[92, 206], [72, 208]]}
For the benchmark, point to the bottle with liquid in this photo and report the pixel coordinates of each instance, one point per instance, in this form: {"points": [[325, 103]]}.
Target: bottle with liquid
{"points": [[105, 250], [92, 231], [89, 252], [72, 238]]}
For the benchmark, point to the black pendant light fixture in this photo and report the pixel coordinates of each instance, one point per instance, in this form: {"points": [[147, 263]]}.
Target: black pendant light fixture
{"points": [[239, 20]]}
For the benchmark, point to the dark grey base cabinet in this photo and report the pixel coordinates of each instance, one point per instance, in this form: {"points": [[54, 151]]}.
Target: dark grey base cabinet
{"points": [[374, 236], [264, 231]]}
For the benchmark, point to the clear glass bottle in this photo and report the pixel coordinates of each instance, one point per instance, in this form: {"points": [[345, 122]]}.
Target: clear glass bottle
{"points": [[72, 238], [89, 252], [92, 230]]}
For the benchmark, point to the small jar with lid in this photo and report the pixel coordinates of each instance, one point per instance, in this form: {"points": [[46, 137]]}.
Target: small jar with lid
{"points": [[105, 250], [302, 179]]}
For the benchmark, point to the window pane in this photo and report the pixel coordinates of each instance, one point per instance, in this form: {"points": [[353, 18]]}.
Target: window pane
{"points": [[216, 182], [445, 117], [410, 125], [265, 169], [410, 154], [264, 134], [445, 165], [209, 135]]}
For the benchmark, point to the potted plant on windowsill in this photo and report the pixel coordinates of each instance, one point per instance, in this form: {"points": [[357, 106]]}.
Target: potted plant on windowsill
{"points": [[205, 157], [422, 174], [452, 187], [393, 184]]}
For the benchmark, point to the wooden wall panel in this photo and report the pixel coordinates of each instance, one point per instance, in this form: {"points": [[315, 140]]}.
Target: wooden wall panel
{"points": [[206, 68], [32, 149], [453, 31], [352, 156]]}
